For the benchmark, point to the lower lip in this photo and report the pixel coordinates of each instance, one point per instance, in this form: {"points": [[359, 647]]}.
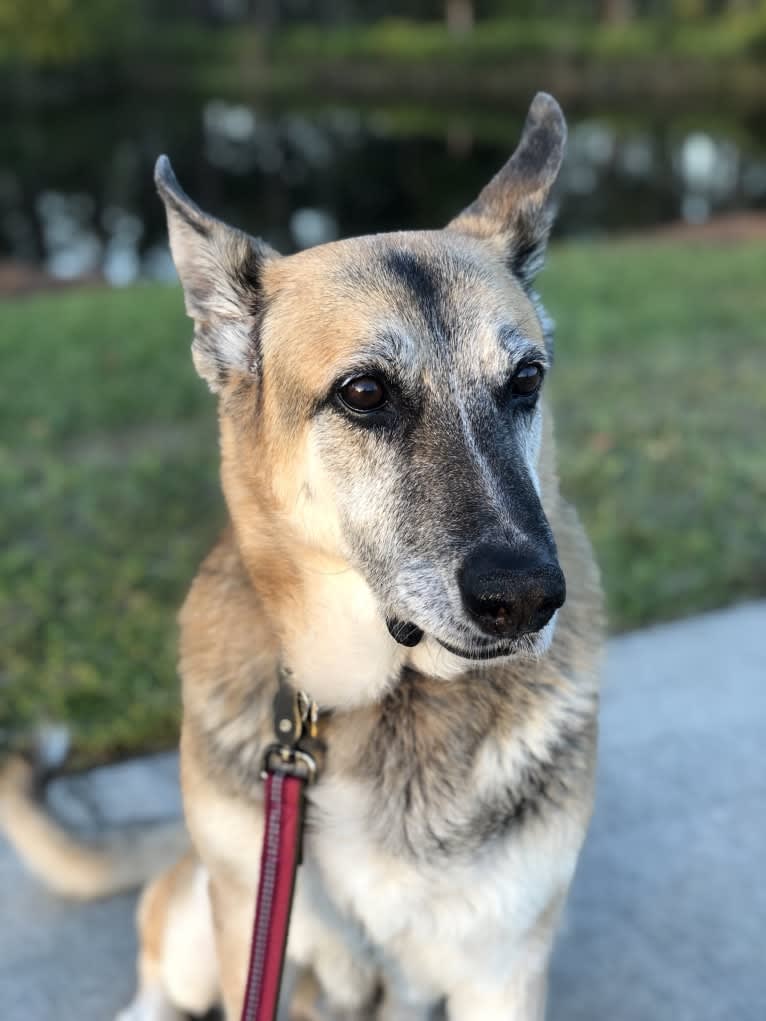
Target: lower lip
{"points": [[493, 652]]}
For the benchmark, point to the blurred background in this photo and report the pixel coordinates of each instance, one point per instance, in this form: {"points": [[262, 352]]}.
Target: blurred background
{"points": [[304, 121]]}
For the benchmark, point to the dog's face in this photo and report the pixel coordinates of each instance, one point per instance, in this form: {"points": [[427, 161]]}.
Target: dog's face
{"points": [[381, 401]]}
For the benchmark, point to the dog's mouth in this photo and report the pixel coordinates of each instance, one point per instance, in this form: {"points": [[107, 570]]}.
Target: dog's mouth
{"points": [[491, 650], [409, 634]]}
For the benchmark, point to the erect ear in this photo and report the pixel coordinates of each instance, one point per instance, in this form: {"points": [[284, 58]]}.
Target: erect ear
{"points": [[220, 270], [513, 211]]}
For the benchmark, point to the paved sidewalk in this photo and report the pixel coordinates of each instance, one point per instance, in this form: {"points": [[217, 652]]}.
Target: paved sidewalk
{"points": [[667, 920]]}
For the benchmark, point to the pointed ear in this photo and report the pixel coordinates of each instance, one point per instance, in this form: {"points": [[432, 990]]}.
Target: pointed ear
{"points": [[513, 211], [220, 271]]}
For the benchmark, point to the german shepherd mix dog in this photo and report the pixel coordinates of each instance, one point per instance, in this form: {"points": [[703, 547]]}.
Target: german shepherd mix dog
{"points": [[398, 542]]}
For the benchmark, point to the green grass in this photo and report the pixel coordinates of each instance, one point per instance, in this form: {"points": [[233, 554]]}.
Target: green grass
{"points": [[660, 386], [108, 470], [110, 495]]}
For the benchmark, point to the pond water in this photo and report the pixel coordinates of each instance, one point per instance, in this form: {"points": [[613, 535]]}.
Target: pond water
{"points": [[77, 198]]}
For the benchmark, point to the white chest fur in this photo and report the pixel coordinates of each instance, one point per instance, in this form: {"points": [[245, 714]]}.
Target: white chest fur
{"points": [[440, 926], [440, 921]]}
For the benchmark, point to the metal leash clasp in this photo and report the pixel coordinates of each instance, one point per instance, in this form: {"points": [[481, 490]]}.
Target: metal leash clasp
{"points": [[297, 750]]}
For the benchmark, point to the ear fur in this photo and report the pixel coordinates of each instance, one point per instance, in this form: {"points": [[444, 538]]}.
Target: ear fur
{"points": [[220, 271], [514, 209]]}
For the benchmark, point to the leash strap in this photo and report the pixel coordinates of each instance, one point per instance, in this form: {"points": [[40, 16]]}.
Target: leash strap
{"points": [[279, 863], [292, 762]]}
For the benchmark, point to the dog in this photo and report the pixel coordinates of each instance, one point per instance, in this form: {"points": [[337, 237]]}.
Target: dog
{"points": [[397, 540]]}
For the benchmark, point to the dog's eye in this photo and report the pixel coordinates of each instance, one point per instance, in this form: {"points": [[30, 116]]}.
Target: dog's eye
{"points": [[363, 393], [527, 380]]}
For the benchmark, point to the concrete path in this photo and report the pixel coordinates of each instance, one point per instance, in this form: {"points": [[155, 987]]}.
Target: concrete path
{"points": [[667, 920]]}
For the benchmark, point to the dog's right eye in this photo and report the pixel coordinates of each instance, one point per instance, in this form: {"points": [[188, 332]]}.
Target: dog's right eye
{"points": [[363, 394]]}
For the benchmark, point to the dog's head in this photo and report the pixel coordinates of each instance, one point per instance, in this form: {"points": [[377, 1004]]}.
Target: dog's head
{"points": [[380, 402]]}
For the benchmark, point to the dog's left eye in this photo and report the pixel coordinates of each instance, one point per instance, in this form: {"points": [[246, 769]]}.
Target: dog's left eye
{"points": [[363, 393], [527, 380]]}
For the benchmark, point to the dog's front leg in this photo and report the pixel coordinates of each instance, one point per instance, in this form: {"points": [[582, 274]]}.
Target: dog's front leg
{"points": [[233, 905], [345, 976], [521, 999], [518, 994], [347, 985], [176, 965]]}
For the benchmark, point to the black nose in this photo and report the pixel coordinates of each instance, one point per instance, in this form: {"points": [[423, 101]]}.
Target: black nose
{"points": [[510, 593]]}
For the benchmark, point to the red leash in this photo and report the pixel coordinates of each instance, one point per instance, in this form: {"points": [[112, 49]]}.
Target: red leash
{"points": [[288, 766], [279, 864]]}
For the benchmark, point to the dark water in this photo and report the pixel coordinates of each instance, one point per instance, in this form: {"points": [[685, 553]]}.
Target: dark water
{"points": [[76, 192]]}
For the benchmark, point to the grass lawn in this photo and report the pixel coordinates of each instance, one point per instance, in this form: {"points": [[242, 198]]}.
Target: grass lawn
{"points": [[110, 496]]}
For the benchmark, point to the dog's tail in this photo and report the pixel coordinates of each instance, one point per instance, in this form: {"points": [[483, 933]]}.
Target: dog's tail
{"points": [[70, 866]]}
